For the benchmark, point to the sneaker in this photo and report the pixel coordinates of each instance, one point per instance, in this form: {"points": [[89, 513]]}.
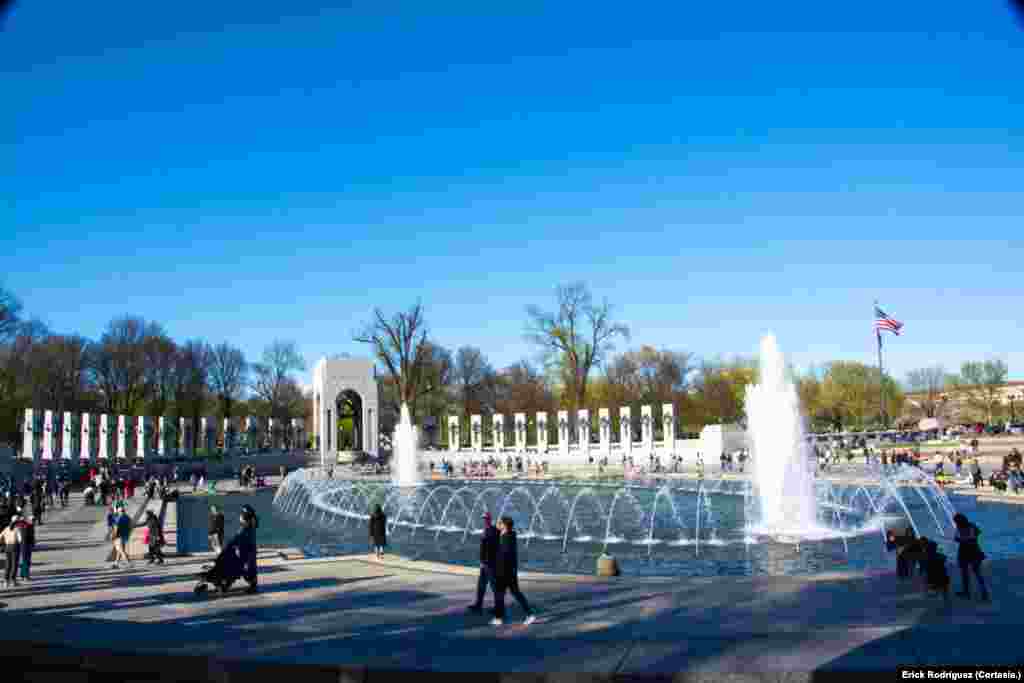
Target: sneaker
{"points": [[529, 620], [497, 622], [115, 566]]}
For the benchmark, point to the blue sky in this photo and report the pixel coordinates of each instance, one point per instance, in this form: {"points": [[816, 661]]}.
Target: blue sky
{"points": [[715, 172]]}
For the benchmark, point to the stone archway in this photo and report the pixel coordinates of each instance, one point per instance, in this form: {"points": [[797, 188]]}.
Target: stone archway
{"points": [[341, 386]]}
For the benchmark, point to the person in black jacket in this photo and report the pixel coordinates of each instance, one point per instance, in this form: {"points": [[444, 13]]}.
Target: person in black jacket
{"points": [[242, 548], [969, 555], [507, 574], [378, 531], [488, 558], [216, 529]]}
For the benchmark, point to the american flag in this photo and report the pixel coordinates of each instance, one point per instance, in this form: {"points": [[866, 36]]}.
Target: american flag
{"points": [[884, 322]]}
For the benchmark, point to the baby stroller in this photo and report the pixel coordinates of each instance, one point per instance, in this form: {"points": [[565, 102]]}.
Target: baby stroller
{"points": [[226, 569]]}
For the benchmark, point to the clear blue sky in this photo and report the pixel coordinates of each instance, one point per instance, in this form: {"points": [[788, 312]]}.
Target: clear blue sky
{"points": [[717, 170]]}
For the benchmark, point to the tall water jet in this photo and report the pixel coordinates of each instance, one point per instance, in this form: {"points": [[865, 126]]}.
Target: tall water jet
{"points": [[406, 471], [785, 484]]}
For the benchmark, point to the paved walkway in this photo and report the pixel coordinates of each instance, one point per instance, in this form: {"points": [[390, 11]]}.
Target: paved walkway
{"points": [[411, 615]]}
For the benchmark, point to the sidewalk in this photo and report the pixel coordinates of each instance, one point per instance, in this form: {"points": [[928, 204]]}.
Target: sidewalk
{"points": [[376, 617]]}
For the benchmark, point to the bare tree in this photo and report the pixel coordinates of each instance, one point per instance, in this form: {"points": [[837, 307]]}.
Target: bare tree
{"points": [[579, 334], [228, 375], [928, 384], [10, 315], [401, 345], [191, 382], [471, 376], [120, 364], [273, 375], [161, 362]]}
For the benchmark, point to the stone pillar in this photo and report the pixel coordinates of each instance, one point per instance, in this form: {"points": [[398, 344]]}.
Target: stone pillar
{"points": [[48, 435], [668, 418], [30, 435], [143, 433], [520, 423], [477, 432], [583, 432], [208, 433], [165, 436], [647, 429], [299, 433], [230, 434], [88, 438], [69, 440], [252, 432], [563, 432], [542, 432], [454, 436], [498, 425], [272, 429], [185, 434], [626, 430], [122, 437], [604, 425], [107, 430]]}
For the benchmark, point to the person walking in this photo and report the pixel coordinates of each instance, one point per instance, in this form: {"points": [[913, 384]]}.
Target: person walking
{"points": [[122, 538], [488, 560], [216, 529], [28, 543], [969, 555], [154, 539], [10, 539], [378, 531], [507, 574], [243, 545]]}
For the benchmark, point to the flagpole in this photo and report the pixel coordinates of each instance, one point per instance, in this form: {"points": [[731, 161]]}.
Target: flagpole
{"points": [[881, 380]]}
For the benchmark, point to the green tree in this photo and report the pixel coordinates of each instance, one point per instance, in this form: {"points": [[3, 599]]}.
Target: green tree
{"points": [[981, 382]]}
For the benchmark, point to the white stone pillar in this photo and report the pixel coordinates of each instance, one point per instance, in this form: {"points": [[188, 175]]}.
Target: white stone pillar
{"points": [[520, 426], [249, 429], [498, 427], [30, 441], [272, 432], [626, 430], [185, 434], [69, 438], [668, 418], [122, 437], [604, 425], [563, 432], [107, 430], [48, 434], [88, 436], [583, 432], [542, 432], [454, 435], [647, 429], [143, 433], [208, 426], [477, 432], [165, 436], [299, 433], [230, 434]]}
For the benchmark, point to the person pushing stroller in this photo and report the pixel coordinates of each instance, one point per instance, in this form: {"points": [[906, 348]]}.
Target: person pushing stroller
{"points": [[237, 560]]}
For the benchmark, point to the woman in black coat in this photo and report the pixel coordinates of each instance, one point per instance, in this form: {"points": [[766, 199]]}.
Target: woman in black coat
{"points": [[969, 555], [378, 531]]}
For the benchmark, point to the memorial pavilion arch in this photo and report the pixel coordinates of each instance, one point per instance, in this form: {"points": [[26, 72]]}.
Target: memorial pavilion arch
{"points": [[345, 392]]}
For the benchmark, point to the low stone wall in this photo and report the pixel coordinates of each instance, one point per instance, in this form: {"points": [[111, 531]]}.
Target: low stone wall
{"points": [[192, 517]]}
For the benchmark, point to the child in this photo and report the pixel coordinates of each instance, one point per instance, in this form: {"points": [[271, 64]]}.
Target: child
{"points": [[935, 570]]}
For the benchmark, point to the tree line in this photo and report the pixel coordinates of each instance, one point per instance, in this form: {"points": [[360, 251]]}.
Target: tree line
{"points": [[137, 368]]}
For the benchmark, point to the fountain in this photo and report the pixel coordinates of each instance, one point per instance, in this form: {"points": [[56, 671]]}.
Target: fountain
{"points": [[406, 469], [781, 521], [783, 478]]}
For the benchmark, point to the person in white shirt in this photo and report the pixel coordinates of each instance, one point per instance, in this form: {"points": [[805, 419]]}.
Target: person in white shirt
{"points": [[10, 538]]}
